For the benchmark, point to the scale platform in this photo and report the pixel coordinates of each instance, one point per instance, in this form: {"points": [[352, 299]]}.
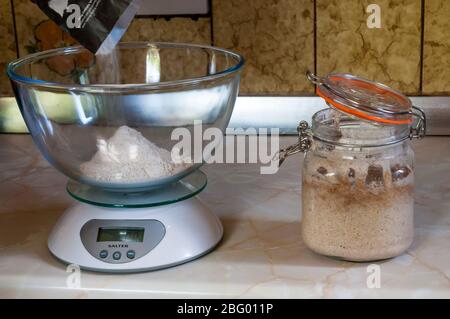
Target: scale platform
{"points": [[132, 232]]}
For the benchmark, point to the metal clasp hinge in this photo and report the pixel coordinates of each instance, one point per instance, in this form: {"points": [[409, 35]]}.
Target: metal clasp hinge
{"points": [[303, 144], [420, 129]]}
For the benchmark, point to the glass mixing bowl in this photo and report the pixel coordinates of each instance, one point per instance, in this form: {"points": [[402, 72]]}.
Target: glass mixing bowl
{"points": [[74, 102]]}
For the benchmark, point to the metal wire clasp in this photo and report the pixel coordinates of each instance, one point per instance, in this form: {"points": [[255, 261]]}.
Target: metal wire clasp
{"points": [[420, 129], [303, 144], [317, 80]]}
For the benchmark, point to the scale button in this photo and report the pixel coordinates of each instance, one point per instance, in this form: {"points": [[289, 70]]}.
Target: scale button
{"points": [[117, 255], [103, 254], [131, 254]]}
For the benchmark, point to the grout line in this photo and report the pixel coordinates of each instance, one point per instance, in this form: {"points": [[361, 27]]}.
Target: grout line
{"points": [[170, 16], [315, 36], [15, 27], [422, 45], [193, 16], [211, 24], [315, 39]]}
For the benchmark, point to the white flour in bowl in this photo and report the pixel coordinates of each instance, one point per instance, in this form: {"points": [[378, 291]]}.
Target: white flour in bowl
{"points": [[128, 157]]}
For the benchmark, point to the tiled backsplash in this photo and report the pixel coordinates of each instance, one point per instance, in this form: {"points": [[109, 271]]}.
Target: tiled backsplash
{"points": [[281, 39], [390, 54], [275, 37], [7, 44], [436, 49]]}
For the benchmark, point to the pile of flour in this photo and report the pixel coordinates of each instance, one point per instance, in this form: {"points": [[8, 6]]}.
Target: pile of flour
{"points": [[128, 157]]}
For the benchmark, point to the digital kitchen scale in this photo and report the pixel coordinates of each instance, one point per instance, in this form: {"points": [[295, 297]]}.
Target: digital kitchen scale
{"points": [[125, 223], [130, 232]]}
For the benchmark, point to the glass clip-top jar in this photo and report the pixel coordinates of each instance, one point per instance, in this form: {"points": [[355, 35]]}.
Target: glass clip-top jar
{"points": [[358, 171]]}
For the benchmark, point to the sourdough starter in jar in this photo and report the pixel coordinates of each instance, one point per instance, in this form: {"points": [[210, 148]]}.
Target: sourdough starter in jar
{"points": [[357, 197], [358, 174]]}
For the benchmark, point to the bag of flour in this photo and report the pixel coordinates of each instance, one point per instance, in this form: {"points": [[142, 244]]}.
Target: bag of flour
{"points": [[96, 24]]}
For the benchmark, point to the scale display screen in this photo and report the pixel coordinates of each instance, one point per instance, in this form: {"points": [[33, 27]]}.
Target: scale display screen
{"points": [[130, 234]]}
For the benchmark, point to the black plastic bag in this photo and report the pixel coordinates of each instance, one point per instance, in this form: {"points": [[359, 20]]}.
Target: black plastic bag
{"points": [[96, 24]]}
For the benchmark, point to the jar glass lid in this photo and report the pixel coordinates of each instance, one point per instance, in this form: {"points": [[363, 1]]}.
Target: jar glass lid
{"points": [[364, 99]]}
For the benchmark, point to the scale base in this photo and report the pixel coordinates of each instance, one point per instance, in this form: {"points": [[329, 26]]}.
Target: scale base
{"points": [[190, 231]]}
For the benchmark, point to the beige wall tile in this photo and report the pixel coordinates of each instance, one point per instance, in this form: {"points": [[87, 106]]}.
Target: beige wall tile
{"points": [[436, 54], [390, 55], [173, 30], [7, 45], [28, 16], [275, 37]]}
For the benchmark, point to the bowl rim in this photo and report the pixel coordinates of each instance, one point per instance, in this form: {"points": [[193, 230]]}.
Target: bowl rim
{"points": [[13, 65]]}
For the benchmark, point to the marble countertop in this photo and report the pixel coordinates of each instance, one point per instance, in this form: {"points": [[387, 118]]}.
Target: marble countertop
{"points": [[261, 255]]}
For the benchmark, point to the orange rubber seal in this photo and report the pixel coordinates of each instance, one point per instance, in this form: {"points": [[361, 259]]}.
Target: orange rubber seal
{"points": [[361, 114]]}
